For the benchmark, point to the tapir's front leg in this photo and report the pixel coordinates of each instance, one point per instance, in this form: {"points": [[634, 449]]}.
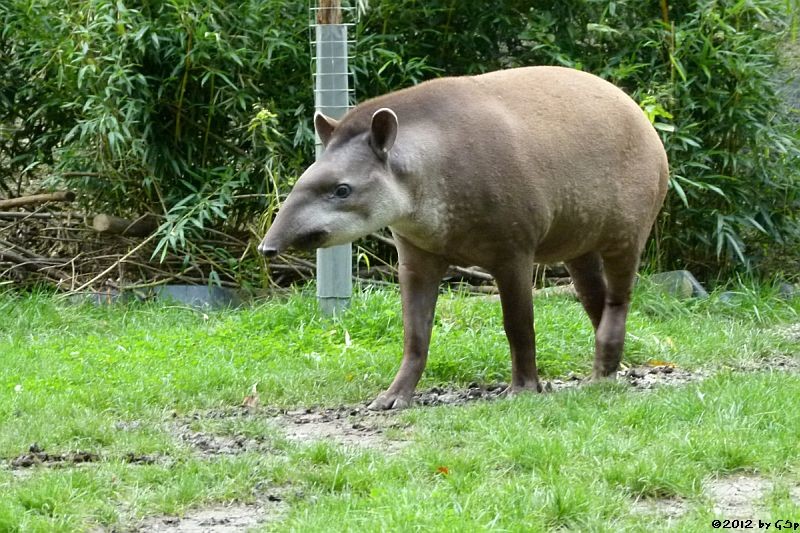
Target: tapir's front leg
{"points": [[420, 273]]}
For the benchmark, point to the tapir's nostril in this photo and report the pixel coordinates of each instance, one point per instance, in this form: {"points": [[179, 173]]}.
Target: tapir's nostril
{"points": [[268, 251]]}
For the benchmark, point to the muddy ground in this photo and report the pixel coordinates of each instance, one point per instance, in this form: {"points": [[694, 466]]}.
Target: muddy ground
{"points": [[355, 425]]}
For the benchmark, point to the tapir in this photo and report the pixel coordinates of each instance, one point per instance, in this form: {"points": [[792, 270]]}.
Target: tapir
{"points": [[500, 170]]}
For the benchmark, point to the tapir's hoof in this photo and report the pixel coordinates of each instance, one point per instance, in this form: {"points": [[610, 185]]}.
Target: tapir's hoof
{"points": [[389, 400], [604, 375], [513, 390]]}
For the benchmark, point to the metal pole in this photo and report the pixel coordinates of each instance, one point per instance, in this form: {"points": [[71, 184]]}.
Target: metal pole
{"points": [[334, 265]]}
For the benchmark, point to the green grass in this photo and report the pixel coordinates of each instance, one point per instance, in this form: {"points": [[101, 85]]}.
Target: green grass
{"points": [[111, 380]]}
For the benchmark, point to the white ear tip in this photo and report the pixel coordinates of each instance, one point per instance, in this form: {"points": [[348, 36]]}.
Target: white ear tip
{"points": [[384, 110]]}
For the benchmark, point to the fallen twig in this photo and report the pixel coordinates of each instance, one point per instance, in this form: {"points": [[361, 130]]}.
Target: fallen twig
{"points": [[25, 214], [474, 272], [383, 239], [113, 266]]}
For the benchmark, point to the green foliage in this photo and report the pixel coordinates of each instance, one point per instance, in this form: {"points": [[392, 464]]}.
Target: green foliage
{"points": [[166, 106], [189, 109]]}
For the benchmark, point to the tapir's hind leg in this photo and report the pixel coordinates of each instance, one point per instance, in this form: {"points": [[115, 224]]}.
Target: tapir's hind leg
{"points": [[420, 273], [620, 271], [586, 272]]}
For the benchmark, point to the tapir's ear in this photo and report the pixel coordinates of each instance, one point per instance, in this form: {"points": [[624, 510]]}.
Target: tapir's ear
{"points": [[324, 126], [384, 131]]}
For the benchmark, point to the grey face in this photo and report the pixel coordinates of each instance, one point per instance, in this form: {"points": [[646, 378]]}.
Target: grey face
{"points": [[350, 192]]}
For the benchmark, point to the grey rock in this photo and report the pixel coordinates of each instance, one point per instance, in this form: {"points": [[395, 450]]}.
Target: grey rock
{"points": [[679, 283], [787, 291]]}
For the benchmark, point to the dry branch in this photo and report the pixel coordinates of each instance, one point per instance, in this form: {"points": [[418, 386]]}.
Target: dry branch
{"points": [[115, 265], [23, 214], [384, 240], [77, 251], [80, 174], [474, 272], [58, 196], [12, 257], [38, 265]]}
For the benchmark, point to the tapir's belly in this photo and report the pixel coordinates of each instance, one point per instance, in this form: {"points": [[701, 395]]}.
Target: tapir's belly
{"points": [[491, 250], [489, 230]]}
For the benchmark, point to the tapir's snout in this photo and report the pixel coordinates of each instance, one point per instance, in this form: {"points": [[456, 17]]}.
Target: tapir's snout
{"points": [[270, 245]]}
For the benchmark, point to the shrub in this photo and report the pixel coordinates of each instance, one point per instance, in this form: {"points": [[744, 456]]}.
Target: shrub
{"points": [[175, 107]]}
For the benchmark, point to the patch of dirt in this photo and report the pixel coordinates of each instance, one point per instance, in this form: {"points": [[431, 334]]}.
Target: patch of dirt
{"points": [[36, 456], [648, 377], [348, 425], [210, 444], [668, 509], [734, 497], [778, 363], [644, 377], [233, 518], [137, 459], [789, 332], [355, 425], [453, 396]]}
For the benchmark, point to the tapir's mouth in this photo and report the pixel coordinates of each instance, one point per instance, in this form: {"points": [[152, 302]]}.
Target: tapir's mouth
{"points": [[311, 240], [307, 241]]}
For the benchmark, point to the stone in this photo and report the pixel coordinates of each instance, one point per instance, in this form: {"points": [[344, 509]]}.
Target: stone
{"points": [[679, 283], [787, 291]]}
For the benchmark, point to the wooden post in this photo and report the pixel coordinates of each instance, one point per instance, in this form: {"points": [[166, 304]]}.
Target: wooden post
{"points": [[329, 12], [334, 265]]}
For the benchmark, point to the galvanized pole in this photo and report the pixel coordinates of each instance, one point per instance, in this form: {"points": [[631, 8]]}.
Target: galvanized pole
{"points": [[334, 265]]}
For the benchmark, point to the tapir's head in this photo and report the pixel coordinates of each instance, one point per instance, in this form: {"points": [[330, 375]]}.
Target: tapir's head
{"points": [[349, 192]]}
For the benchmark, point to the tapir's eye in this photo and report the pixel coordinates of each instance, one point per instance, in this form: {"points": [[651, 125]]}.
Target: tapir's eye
{"points": [[342, 191]]}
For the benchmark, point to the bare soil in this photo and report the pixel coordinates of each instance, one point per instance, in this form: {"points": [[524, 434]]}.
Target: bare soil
{"points": [[350, 426], [790, 332], [232, 518], [736, 497], [355, 425]]}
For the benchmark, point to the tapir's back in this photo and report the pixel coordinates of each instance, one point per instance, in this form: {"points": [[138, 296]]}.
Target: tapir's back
{"points": [[589, 146], [563, 156]]}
